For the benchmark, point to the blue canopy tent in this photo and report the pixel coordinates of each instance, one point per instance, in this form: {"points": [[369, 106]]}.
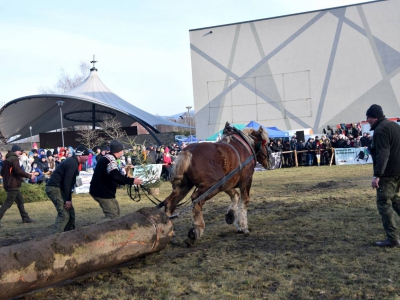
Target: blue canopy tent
{"points": [[272, 133], [274, 128], [190, 138], [214, 136]]}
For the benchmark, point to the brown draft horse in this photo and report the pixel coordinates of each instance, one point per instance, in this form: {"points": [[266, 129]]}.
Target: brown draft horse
{"points": [[204, 165]]}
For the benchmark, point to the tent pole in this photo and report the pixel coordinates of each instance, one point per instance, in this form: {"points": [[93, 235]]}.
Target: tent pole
{"points": [[152, 134], [93, 116], [150, 130]]}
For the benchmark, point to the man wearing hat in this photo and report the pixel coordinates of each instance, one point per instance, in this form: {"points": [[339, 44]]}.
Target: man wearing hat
{"points": [[106, 176], [12, 175], [104, 151], [385, 149], [59, 189], [151, 157], [365, 140]]}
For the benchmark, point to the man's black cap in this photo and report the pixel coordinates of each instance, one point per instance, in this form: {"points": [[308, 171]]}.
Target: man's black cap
{"points": [[16, 148], [81, 150], [375, 111]]}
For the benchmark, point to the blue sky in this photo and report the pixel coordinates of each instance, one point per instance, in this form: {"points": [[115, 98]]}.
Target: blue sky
{"points": [[142, 47]]}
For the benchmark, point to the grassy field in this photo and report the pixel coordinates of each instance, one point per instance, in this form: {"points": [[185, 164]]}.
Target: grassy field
{"points": [[312, 237]]}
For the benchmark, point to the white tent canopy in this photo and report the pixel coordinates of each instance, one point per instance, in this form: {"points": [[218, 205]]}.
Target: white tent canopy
{"points": [[90, 99]]}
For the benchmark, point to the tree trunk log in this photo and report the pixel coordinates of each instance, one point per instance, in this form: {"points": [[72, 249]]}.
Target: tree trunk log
{"points": [[36, 264]]}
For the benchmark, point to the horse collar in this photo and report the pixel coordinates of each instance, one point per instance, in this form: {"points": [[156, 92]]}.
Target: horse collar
{"points": [[246, 144]]}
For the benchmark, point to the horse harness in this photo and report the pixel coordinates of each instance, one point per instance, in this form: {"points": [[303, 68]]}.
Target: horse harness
{"points": [[243, 141], [146, 192]]}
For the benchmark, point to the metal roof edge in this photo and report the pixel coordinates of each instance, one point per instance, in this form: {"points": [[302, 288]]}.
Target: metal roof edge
{"points": [[289, 15]]}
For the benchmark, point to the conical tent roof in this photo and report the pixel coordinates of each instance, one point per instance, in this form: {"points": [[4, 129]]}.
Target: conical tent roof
{"points": [[91, 98]]}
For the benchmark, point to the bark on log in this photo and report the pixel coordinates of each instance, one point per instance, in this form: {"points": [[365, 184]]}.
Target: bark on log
{"points": [[32, 265]]}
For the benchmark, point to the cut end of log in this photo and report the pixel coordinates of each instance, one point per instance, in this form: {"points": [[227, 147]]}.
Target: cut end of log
{"points": [[36, 264]]}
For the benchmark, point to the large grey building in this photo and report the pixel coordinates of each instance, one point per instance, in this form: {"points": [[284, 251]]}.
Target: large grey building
{"points": [[306, 70]]}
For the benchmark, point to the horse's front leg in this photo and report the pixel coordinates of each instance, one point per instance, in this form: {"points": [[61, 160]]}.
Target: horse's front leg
{"points": [[198, 223], [241, 221], [231, 214], [178, 193]]}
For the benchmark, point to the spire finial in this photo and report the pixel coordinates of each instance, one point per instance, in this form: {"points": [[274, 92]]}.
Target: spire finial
{"points": [[93, 62]]}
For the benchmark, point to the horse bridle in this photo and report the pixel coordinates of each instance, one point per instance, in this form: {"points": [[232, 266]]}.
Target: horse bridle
{"points": [[259, 150]]}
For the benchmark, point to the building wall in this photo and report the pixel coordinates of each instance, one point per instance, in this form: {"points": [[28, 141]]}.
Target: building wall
{"points": [[306, 70]]}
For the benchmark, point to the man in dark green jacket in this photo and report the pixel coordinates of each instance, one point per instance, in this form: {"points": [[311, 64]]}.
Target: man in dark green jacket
{"points": [[59, 189], [12, 175], [385, 150]]}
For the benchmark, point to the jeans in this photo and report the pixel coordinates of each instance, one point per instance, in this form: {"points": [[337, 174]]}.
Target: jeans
{"points": [[310, 159]]}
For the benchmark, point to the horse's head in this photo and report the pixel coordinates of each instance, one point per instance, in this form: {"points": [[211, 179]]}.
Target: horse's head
{"points": [[260, 139]]}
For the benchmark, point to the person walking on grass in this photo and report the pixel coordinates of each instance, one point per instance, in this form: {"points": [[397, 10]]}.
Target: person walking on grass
{"points": [[106, 177], [59, 189], [385, 149], [12, 175]]}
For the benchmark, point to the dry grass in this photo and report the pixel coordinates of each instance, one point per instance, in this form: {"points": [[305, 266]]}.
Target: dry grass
{"points": [[313, 231]]}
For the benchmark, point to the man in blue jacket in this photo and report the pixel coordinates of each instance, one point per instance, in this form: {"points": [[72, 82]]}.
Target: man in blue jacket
{"points": [[59, 189], [385, 149]]}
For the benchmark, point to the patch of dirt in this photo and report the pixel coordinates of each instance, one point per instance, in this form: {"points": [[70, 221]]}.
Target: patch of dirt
{"points": [[327, 185]]}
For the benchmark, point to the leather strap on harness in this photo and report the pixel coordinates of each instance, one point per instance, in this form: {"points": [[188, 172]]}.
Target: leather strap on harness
{"points": [[237, 153], [245, 142]]}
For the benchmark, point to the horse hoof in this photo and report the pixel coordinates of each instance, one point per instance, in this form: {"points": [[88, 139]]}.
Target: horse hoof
{"points": [[230, 217], [246, 232], [190, 243], [193, 234], [175, 241]]}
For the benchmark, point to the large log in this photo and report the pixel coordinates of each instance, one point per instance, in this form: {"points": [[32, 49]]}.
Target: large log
{"points": [[36, 264]]}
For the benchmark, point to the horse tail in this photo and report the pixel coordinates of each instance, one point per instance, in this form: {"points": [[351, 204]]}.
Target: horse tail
{"points": [[181, 166]]}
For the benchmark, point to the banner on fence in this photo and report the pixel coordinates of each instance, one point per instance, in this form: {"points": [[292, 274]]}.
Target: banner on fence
{"points": [[86, 178], [352, 156], [148, 173], [275, 160]]}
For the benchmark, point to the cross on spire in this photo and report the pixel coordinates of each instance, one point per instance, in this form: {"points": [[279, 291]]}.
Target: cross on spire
{"points": [[93, 62]]}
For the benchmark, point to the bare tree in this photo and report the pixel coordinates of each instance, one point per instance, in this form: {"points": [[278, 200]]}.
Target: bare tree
{"points": [[67, 82], [112, 128], [89, 137]]}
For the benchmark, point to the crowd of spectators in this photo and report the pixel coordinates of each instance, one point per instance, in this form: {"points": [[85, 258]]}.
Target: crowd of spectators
{"points": [[164, 155], [139, 155], [342, 137], [44, 161]]}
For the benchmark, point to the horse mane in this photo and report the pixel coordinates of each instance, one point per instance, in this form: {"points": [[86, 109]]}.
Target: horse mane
{"points": [[248, 132], [264, 135]]}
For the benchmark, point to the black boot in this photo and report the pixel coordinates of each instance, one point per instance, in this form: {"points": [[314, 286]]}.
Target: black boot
{"points": [[388, 243], [27, 220]]}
